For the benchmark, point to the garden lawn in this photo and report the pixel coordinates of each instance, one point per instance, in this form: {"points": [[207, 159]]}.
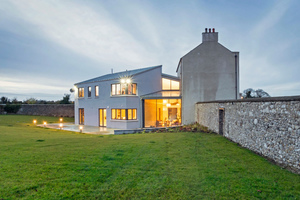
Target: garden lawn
{"points": [[41, 163]]}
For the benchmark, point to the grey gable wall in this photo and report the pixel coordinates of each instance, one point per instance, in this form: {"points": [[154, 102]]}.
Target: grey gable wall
{"points": [[207, 73]]}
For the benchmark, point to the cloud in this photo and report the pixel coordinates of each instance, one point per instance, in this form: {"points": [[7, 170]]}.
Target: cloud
{"points": [[82, 30]]}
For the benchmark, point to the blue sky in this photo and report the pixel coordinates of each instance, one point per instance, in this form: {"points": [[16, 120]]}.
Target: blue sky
{"points": [[47, 46]]}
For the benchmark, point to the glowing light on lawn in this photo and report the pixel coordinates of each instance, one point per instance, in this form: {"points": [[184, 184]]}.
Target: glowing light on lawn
{"points": [[61, 119], [80, 128], [34, 121], [60, 126], [45, 123]]}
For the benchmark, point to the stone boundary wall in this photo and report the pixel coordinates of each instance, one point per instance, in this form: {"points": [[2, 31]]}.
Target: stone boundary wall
{"points": [[267, 126], [56, 110]]}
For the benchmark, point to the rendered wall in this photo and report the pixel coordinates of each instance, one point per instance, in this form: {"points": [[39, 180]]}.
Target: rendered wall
{"points": [[147, 82], [208, 72], [56, 110], [268, 126]]}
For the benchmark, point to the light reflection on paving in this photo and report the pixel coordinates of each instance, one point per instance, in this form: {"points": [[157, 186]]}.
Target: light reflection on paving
{"points": [[86, 129]]}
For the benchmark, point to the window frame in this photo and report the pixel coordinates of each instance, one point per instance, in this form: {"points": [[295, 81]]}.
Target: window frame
{"points": [[96, 90], [89, 91], [81, 92], [122, 114], [123, 89]]}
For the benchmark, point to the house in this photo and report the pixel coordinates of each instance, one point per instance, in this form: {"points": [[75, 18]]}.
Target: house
{"points": [[130, 99], [208, 72], [148, 98]]}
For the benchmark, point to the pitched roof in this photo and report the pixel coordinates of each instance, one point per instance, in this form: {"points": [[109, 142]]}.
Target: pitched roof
{"points": [[118, 75]]}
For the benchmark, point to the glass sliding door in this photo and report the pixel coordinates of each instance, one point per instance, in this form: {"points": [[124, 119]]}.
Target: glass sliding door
{"points": [[102, 117]]}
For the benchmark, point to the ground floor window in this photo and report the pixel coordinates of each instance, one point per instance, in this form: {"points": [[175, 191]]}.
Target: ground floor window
{"points": [[123, 114], [162, 112], [81, 115]]}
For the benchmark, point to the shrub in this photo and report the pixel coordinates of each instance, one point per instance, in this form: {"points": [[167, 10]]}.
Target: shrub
{"points": [[12, 108]]}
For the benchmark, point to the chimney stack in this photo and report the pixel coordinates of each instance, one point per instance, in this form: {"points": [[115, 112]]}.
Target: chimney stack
{"points": [[210, 36], [112, 70]]}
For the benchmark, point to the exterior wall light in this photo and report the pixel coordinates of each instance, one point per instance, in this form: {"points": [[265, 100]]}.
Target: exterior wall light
{"points": [[128, 81], [123, 80]]}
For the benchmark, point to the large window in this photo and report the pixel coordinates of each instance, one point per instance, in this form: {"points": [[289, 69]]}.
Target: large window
{"points": [[81, 92], [96, 91], [123, 89], [162, 112], [123, 114], [168, 84], [89, 91]]}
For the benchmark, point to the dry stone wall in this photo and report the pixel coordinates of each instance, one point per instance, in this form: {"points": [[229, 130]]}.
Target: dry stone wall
{"points": [[56, 110], [268, 126]]}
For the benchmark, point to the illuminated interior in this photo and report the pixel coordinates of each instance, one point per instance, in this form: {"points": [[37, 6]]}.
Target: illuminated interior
{"points": [[168, 84], [162, 112]]}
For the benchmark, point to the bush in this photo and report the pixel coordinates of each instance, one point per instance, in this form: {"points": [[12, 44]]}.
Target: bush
{"points": [[12, 108]]}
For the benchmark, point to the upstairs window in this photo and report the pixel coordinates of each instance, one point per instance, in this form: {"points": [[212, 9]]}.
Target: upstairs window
{"points": [[96, 91], [123, 89], [81, 92], [168, 84], [89, 91]]}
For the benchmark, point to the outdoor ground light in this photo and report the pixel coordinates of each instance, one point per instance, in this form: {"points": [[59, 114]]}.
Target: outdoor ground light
{"points": [[61, 119], [45, 123], [80, 128], [60, 126], [34, 121]]}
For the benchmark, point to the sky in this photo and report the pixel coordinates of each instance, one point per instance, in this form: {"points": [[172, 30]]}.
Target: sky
{"points": [[48, 45]]}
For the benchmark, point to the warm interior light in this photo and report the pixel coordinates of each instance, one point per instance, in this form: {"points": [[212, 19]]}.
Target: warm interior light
{"points": [[164, 101], [168, 105]]}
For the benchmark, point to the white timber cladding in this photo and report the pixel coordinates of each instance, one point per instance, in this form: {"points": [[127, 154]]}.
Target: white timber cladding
{"points": [[146, 82]]}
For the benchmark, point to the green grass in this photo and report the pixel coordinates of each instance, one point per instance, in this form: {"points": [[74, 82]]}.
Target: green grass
{"points": [[39, 163]]}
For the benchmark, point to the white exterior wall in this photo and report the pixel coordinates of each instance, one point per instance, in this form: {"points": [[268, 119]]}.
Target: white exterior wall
{"points": [[147, 82], [207, 73]]}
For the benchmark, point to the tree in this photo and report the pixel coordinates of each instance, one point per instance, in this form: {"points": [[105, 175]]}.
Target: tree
{"points": [[30, 101], [66, 99], [4, 100], [250, 93]]}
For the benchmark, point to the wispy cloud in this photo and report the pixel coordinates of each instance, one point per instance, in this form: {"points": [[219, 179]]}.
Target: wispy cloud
{"points": [[82, 30]]}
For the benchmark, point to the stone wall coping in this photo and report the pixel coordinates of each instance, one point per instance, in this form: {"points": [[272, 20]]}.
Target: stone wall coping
{"points": [[263, 99]]}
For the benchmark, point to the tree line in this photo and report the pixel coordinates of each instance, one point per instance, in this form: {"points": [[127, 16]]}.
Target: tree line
{"points": [[64, 100]]}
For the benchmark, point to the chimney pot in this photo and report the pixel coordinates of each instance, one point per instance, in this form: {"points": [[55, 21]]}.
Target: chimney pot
{"points": [[205, 30], [209, 30], [213, 30]]}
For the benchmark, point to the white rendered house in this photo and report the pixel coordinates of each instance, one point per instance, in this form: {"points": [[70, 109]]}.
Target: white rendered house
{"points": [[148, 98], [130, 99]]}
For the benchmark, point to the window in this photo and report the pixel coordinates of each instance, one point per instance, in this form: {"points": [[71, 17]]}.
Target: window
{"points": [[123, 114], [96, 91], [81, 115], [81, 92], [123, 89], [168, 84], [89, 91]]}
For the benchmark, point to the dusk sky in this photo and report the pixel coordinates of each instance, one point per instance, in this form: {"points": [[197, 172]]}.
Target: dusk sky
{"points": [[46, 46]]}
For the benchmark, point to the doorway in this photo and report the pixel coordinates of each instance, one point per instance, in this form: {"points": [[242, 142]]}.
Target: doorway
{"points": [[81, 116], [102, 117], [221, 120]]}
